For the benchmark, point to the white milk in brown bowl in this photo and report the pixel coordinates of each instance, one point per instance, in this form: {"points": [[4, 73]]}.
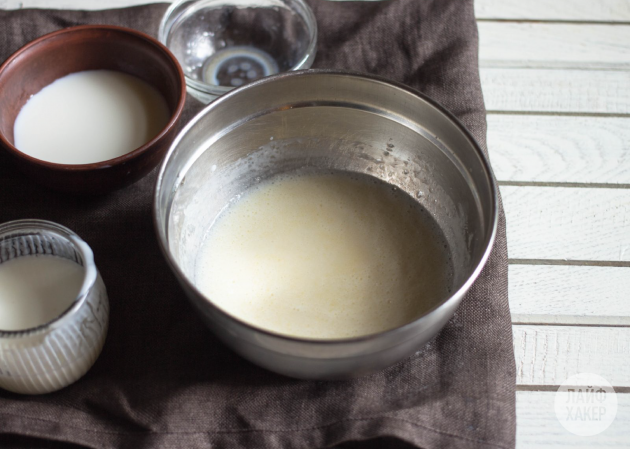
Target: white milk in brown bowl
{"points": [[324, 256], [89, 117]]}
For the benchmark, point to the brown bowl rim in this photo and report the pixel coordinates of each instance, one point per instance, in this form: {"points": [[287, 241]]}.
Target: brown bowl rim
{"points": [[125, 157]]}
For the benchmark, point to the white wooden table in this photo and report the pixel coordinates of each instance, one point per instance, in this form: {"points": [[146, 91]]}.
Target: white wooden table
{"points": [[556, 81]]}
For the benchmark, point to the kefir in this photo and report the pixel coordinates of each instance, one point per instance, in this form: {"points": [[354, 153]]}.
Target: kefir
{"points": [[34, 290]]}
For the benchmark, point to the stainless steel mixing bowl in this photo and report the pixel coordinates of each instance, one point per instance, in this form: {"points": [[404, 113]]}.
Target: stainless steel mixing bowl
{"points": [[326, 120]]}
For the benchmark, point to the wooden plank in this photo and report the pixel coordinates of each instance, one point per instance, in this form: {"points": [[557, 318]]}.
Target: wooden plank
{"points": [[557, 10], [567, 223], [570, 295], [549, 355], [555, 90], [72, 4], [554, 45], [560, 148], [537, 426], [584, 10]]}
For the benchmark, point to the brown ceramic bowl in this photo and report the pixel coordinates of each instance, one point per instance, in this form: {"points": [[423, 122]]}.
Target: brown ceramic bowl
{"points": [[91, 47]]}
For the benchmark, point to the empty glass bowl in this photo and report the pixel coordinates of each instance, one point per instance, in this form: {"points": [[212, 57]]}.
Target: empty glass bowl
{"points": [[223, 44]]}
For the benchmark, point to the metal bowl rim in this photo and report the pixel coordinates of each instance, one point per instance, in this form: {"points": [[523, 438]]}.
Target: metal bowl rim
{"points": [[455, 296]]}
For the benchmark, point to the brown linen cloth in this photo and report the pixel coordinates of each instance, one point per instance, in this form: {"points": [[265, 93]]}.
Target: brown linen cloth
{"points": [[163, 380]]}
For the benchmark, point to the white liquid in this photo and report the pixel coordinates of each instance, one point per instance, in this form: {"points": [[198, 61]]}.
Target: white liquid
{"points": [[34, 290], [88, 117], [323, 256]]}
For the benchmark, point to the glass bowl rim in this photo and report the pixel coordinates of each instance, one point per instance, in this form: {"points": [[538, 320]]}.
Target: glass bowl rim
{"points": [[300, 7], [89, 277]]}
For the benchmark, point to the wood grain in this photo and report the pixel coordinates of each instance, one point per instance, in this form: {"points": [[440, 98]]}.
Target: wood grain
{"points": [[554, 45], [570, 295], [549, 355], [557, 10], [556, 90], [537, 426], [559, 148], [567, 223]]}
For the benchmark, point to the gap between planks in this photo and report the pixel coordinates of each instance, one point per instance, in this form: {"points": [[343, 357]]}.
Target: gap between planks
{"points": [[571, 262], [554, 388], [558, 10], [547, 21], [558, 114], [570, 320], [575, 185]]}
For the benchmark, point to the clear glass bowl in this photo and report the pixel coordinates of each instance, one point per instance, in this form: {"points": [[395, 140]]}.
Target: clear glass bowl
{"points": [[223, 44], [55, 354]]}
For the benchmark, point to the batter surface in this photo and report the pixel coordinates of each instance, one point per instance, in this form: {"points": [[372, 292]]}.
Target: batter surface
{"points": [[324, 256]]}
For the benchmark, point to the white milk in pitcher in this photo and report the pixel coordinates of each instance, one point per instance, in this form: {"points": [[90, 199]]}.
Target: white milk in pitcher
{"points": [[35, 290], [90, 116], [324, 256]]}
